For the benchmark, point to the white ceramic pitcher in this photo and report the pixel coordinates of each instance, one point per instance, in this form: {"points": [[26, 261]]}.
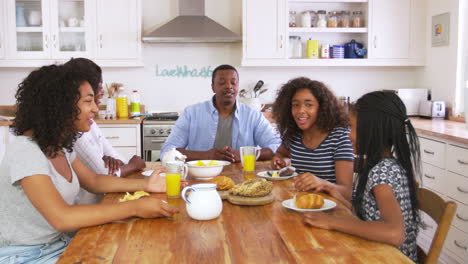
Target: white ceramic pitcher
{"points": [[203, 202]]}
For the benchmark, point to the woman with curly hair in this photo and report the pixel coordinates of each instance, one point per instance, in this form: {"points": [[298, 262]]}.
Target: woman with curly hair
{"points": [[316, 141], [40, 175]]}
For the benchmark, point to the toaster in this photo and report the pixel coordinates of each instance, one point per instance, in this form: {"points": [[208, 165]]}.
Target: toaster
{"points": [[432, 109]]}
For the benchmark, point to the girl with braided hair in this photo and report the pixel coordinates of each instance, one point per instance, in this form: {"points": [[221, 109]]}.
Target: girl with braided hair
{"points": [[384, 193]]}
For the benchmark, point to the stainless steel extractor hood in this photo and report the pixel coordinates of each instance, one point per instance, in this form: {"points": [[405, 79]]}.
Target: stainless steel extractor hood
{"points": [[191, 26]]}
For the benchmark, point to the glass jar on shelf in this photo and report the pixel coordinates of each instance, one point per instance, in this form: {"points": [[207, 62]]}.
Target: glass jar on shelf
{"points": [[292, 18], [306, 19], [321, 18], [295, 47], [358, 19], [345, 20], [332, 19], [313, 19]]}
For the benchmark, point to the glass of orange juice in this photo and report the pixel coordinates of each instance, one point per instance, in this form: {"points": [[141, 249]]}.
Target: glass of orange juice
{"points": [[248, 157], [175, 170]]}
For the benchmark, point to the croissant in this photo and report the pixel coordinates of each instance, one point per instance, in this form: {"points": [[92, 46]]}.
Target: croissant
{"points": [[223, 183], [309, 201]]}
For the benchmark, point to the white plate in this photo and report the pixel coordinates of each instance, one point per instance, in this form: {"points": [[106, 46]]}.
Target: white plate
{"points": [[264, 174], [148, 173], [328, 204]]}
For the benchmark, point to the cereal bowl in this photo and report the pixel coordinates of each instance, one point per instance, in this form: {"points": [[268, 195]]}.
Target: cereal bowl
{"points": [[206, 169]]}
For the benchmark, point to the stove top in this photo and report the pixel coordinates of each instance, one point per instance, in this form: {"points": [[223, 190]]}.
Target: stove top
{"points": [[163, 116]]}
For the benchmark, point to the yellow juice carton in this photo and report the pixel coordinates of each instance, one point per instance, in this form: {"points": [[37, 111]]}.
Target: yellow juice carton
{"points": [[313, 49]]}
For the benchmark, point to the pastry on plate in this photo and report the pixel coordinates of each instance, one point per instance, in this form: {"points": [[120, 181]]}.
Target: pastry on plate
{"points": [[222, 183], [309, 201]]}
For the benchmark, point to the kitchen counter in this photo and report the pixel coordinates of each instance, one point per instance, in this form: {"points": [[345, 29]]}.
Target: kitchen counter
{"points": [[5, 123], [445, 129], [118, 121]]}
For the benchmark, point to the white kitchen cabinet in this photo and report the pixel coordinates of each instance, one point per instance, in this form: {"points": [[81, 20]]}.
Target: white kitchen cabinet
{"points": [[393, 32], [3, 141], [390, 29], [42, 32], [264, 29], [2, 28], [126, 139], [118, 29], [445, 172], [396, 29], [49, 29]]}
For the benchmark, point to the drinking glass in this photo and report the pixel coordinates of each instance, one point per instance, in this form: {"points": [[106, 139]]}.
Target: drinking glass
{"points": [[248, 157], [175, 170]]}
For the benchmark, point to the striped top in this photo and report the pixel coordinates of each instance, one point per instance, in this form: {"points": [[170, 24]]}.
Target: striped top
{"points": [[321, 160]]}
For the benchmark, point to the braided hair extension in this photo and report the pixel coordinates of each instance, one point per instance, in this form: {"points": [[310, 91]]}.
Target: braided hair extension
{"points": [[382, 125], [331, 113], [46, 104]]}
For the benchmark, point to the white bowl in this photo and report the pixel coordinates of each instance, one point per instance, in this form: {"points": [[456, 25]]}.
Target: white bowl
{"points": [[208, 171]]}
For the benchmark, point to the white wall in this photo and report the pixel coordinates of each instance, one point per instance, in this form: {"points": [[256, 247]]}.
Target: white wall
{"points": [[439, 74], [163, 93]]}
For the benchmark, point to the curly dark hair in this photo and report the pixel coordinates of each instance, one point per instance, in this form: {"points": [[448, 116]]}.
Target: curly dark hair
{"points": [[331, 113], [46, 104], [89, 69]]}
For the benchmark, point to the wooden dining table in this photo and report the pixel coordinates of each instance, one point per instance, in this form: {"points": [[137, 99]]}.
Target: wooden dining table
{"points": [[241, 234]]}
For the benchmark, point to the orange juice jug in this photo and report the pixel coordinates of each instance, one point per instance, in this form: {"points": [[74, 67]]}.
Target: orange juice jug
{"points": [[122, 106]]}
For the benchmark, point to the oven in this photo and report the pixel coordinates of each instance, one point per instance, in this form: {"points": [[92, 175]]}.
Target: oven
{"points": [[154, 133]]}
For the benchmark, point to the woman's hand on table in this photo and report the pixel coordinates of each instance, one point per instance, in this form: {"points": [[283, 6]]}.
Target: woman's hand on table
{"points": [[278, 162], [309, 182], [157, 184], [151, 207]]}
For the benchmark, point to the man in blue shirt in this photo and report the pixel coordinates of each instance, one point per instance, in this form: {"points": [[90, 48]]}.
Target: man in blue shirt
{"points": [[217, 128]]}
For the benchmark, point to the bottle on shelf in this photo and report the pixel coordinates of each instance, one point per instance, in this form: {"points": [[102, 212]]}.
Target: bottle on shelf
{"points": [[312, 49], [345, 19], [325, 51], [295, 47], [122, 104], [135, 103], [358, 19], [292, 18], [321, 18], [332, 19], [306, 19]]}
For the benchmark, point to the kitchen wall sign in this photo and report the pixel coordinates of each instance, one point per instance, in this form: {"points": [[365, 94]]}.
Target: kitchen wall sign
{"points": [[440, 29], [183, 71]]}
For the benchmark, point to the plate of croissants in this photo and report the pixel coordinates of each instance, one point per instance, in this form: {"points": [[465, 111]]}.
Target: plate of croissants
{"points": [[309, 202]]}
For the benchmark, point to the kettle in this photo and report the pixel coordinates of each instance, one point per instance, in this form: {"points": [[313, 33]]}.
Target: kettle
{"points": [[354, 50]]}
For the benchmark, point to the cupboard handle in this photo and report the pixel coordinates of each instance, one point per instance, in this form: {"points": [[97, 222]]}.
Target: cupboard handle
{"points": [[100, 41], [461, 190], [428, 176], [462, 162], [114, 137], [429, 152], [461, 218], [375, 42], [460, 246], [46, 41], [53, 39], [281, 41]]}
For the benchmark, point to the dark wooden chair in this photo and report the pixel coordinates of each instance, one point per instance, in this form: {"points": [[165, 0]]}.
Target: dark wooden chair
{"points": [[442, 213]]}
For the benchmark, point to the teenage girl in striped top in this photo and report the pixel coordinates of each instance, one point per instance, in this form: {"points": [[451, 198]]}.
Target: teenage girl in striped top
{"points": [[313, 127]]}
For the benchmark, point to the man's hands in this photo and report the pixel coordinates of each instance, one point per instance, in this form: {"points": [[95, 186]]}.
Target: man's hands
{"points": [[225, 153]]}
